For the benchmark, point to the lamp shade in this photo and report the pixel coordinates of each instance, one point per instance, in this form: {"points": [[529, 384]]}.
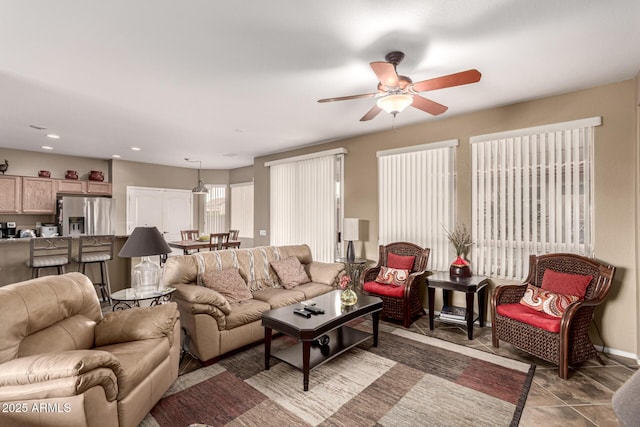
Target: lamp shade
{"points": [[144, 241], [200, 188], [351, 229], [395, 103]]}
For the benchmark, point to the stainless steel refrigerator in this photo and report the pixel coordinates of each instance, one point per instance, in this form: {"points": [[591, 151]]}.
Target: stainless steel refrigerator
{"points": [[91, 216]]}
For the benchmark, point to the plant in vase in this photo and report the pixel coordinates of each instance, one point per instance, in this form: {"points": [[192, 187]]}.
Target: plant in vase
{"points": [[348, 295], [460, 238]]}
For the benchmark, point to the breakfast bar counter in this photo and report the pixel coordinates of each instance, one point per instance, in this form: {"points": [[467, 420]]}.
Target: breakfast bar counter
{"points": [[14, 254]]}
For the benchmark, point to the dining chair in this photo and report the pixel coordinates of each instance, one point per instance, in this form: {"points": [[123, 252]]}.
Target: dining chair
{"points": [[233, 234], [189, 234], [218, 241]]}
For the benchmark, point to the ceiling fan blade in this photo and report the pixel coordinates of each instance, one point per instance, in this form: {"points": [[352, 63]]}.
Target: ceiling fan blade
{"points": [[428, 106], [371, 113], [456, 79], [386, 73], [344, 98]]}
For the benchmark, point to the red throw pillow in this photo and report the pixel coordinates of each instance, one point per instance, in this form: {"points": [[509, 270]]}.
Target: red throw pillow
{"points": [[403, 262], [546, 301], [564, 283], [392, 276]]}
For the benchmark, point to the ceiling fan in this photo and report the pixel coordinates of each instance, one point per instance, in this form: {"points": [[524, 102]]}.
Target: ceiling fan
{"points": [[396, 92]]}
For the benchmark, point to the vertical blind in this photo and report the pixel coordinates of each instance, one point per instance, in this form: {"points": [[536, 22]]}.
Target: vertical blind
{"points": [[242, 209], [215, 208], [532, 193], [416, 187], [303, 200]]}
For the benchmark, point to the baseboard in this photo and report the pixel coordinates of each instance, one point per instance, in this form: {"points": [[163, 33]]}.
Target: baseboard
{"points": [[621, 353]]}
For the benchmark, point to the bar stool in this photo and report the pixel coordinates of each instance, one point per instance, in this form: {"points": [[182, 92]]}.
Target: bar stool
{"points": [[97, 249], [48, 252]]}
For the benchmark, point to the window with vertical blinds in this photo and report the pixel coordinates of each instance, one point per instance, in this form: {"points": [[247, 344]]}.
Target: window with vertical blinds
{"points": [[215, 209], [304, 202], [416, 190], [532, 193], [242, 209]]}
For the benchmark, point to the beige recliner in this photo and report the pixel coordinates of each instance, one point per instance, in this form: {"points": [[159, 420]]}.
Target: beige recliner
{"points": [[63, 363]]}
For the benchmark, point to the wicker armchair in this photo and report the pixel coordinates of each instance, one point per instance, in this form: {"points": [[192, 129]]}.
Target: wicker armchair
{"points": [[571, 345], [408, 305]]}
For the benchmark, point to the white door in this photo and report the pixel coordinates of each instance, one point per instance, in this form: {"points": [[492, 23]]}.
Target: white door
{"points": [[167, 209]]}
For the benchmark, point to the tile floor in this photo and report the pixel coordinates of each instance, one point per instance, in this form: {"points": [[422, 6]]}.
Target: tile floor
{"points": [[582, 400]]}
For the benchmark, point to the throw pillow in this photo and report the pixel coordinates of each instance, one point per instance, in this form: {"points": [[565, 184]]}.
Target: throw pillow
{"points": [[546, 301], [564, 283], [404, 262], [228, 283], [290, 272], [392, 276]]}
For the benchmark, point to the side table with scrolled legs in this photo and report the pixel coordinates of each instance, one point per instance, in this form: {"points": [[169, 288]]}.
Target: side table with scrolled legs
{"points": [[129, 298]]}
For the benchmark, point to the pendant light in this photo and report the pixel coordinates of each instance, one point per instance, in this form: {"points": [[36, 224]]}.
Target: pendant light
{"points": [[200, 188]]}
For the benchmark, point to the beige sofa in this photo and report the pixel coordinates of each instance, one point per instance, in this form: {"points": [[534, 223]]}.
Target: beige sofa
{"points": [[213, 325], [63, 364]]}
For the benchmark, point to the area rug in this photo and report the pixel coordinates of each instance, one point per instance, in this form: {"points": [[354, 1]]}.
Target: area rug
{"points": [[408, 380]]}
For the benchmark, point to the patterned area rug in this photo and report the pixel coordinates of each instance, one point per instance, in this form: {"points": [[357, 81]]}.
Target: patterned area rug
{"points": [[408, 380]]}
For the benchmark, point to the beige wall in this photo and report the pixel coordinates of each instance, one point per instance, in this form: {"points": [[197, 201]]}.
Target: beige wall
{"points": [[615, 183]]}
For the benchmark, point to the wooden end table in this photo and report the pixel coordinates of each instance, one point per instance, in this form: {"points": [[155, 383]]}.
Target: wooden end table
{"points": [[469, 285]]}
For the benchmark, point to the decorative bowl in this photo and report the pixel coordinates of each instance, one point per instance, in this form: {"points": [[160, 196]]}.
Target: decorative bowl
{"points": [[203, 238]]}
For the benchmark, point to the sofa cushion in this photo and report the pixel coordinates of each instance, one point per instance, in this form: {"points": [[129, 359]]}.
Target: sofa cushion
{"points": [[245, 312], [404, 262], [384, 290], [564, 283], [324, 272], [137, 360], [313, 289], [228, 283], [546, 301], [392, 276], [72, 333], [530, 316], [290, 272], [278, 297], [138, 323]]}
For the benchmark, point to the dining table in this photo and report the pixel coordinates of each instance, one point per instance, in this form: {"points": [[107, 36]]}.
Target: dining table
{"points": [[190, 245]]}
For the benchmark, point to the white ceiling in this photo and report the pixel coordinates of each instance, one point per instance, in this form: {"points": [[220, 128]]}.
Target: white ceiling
{"points": [[224, 82]]}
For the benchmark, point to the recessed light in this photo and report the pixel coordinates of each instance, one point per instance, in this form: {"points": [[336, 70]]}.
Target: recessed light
{"points": [[115, 156], [53, 136], [46, 147], [136, 148]]}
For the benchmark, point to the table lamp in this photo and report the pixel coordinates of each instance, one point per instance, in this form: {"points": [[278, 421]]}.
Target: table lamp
{"points": [[145, 242], [350, 232]]}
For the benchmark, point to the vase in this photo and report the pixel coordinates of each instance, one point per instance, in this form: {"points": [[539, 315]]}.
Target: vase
{"points": [[460, 268], [348, 296]]}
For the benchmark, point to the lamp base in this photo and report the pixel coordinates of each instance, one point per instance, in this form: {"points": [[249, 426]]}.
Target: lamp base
{"points": [[351, 253], [145, 276]]}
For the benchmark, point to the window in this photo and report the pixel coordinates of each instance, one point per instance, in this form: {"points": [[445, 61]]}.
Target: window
{"points": [[215, 208], [532, 193], [416, 187], [242, 209], [304, 202]]}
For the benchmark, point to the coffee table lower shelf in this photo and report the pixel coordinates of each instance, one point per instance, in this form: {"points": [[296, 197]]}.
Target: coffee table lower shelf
{"points": [[340, 340]]}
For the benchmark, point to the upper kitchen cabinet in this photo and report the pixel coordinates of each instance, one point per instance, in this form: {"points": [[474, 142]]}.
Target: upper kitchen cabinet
{"points": [[99, 188], [68, 186], [96, 188], [10, 194], [38, 196]]}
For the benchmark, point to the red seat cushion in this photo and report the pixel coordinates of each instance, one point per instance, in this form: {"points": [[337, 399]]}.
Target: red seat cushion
{"points": [[384, 290], [530, 316], [402, 262]]}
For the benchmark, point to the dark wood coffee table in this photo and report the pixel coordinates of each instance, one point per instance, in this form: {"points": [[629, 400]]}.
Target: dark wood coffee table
{"points": [[308, 354]]}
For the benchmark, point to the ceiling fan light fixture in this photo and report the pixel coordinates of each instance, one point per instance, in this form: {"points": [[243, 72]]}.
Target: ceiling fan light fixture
{"points": [[395, 103]]}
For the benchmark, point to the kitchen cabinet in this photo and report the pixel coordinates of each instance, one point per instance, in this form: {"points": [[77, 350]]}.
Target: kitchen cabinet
{"points": [[38, 196], [96, 188], [99, 188], [10, 194], [68, 186]]}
